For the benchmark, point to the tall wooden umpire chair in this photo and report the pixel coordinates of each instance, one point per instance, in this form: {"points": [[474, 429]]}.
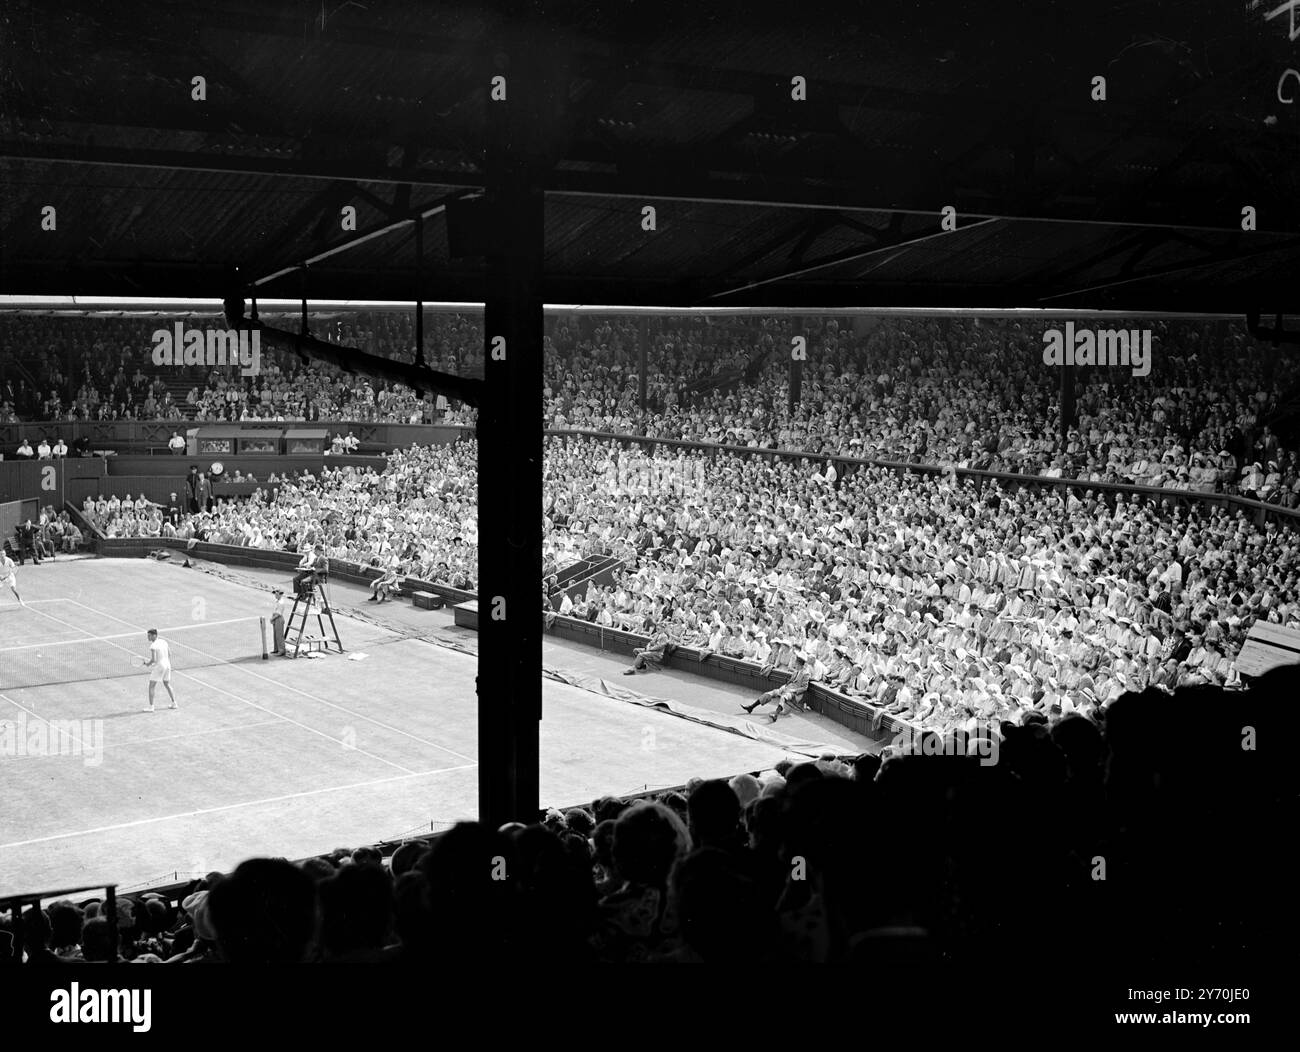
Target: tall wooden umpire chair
{"points": [[312, 597]]}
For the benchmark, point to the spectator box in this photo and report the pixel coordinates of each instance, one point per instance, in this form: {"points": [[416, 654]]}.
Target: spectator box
{"points": [[230, 440], [262, 441], [305, 441]]}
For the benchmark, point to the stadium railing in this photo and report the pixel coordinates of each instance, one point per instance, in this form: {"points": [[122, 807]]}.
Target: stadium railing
{"points": [[33, 900], [264, 559], [1260, 509], [108, 434]]}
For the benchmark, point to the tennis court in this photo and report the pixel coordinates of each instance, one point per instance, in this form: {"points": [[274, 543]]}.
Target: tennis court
{"points": [[280, 757]]}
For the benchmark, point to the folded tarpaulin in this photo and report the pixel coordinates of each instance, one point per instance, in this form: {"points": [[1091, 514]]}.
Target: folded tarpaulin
{"points": [[758, 728]]}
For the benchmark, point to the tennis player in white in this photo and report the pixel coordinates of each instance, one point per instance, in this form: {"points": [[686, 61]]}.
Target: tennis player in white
{"points": [[160, 660], [9, 575]]}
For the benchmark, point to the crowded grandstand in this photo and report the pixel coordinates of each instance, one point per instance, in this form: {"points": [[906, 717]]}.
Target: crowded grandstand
{"points": [[909, 524]]}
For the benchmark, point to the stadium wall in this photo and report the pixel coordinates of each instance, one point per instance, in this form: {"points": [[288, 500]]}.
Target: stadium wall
{"points": [[262, 559], [144, 435], [14, 512], [848, 712], [47, 481]]}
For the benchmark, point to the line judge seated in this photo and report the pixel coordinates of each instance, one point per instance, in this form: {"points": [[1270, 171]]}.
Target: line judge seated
{"points": [[650, 656]]}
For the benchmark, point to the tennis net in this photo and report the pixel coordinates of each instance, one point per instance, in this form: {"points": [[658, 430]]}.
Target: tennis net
{"points": [[202, 645]]}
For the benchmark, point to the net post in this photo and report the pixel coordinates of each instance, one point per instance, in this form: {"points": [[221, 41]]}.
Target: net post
{"points": [[262, 624]]}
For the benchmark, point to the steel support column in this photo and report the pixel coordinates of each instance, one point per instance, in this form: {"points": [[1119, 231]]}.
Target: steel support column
{"points": [[510, 455], [642, 350], [1067, 401]]}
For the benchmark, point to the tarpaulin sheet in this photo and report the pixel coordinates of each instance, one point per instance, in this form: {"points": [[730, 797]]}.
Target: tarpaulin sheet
{"points": [[759, 730]]}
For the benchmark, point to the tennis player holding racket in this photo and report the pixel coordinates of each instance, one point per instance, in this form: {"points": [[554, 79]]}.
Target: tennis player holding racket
{"points": [[9, 575], [160, 661]]}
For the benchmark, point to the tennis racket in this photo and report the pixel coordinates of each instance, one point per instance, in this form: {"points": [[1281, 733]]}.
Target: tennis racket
{"points": [[139, 662]]}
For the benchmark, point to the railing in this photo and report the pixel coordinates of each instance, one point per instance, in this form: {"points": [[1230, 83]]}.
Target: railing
{"points": [[1259, 508], [33, 900], [108, 434]]}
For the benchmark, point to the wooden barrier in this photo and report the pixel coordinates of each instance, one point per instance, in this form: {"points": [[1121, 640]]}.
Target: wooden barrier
{"points": [[153, 434], [849, 712]]}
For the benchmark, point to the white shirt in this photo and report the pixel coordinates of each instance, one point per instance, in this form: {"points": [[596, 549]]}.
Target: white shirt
{"points": [[161, 654], [6, 566]]}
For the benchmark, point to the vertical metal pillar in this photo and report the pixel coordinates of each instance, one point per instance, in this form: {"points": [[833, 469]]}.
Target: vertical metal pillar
{"points": [[419, 296], [1067, 401], [642, 348], [510, 447]]}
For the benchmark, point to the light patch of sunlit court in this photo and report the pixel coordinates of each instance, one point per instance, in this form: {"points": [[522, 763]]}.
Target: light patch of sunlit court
{"points": [[282, 757]]}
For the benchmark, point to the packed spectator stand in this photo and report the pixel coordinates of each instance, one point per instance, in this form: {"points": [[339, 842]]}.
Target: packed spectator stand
{"points": [[1214, 416], [1028, 612]]}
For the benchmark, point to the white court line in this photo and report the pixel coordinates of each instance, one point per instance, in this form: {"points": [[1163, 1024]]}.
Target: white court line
{"points": [[286, 686], [44, 719], [232, 807], [222, 690], [109, 639], [33, 602]]}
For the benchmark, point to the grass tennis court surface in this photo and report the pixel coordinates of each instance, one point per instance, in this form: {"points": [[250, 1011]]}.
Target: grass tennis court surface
{"points": [[279, 757]]}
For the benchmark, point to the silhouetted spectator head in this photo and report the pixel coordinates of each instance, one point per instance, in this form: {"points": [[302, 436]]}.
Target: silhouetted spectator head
{"points": [[1080, 741], [367, 856], [412, 917], [720, 909], [356, 910], [676, 802], [713, 814], [607, 807], [318, 868], [65, 924], [865, 767], [602, 842], [95, 940], [265, 912], [649, 837], [406, 857], [470, 891], [580, 821], [801, 773], [36, 930], [746, 787]]}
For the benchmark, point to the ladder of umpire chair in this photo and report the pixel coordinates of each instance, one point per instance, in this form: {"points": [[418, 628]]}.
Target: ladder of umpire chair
{"points": [[315, 598]]}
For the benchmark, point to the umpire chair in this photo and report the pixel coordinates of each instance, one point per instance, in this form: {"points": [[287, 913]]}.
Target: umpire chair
{"points": [[312, 597]]}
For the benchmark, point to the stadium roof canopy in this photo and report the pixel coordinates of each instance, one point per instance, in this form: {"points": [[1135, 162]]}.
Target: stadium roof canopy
{"points": [[1061, 200]]}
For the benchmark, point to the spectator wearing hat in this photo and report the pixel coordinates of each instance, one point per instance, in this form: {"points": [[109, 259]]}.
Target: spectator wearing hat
{"points": [[311, 568], [651, 656], [790, 693]]}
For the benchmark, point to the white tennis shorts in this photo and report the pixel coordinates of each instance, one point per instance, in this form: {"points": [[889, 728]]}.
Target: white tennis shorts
{"points": [[160, 675]]}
